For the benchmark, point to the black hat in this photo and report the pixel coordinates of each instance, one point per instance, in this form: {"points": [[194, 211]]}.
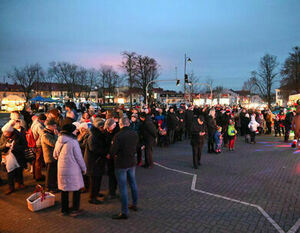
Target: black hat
{"points": [[143, 115], [70, 128]]}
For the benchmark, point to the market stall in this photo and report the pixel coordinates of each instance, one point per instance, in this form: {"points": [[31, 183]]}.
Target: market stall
{"points": [[12, 103]]}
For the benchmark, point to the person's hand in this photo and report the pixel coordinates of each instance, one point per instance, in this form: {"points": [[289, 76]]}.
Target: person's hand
{"points": [[108, 156], [56, 132], [202, 133], [143, 147], [83, 172]]}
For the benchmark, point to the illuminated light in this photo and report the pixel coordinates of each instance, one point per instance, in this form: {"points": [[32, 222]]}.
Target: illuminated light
{"points": [[121, 100]]}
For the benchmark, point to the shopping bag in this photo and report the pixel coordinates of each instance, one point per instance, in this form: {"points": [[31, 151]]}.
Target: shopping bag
{"points": [[11, 162]]}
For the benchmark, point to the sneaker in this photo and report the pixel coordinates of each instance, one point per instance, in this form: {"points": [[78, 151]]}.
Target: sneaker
{"points": [[120, 216]]}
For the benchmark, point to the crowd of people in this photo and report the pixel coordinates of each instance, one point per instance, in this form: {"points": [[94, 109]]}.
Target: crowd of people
{"points": [[74, 150]]}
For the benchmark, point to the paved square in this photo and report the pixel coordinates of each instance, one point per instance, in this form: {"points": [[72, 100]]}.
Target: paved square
{"points": [[253, 189]]}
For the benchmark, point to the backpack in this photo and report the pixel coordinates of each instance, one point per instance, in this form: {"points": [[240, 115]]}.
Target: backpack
{"points": [[31, 142]]}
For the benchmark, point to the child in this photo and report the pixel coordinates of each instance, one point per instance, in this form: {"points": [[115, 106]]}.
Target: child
{"points": [[253, 125], [231, 134], [247, 135], [218, 139]]}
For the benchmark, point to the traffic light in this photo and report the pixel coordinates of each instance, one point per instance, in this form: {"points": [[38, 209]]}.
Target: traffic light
{"points": [[177, 82], [186, 78]]}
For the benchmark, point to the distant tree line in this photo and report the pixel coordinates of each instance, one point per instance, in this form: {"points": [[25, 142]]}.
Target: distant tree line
{"points": [[263, 79], [137, 72]]}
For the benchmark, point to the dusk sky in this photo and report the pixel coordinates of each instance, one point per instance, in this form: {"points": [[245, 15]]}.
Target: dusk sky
{"points": [[224, 38]]}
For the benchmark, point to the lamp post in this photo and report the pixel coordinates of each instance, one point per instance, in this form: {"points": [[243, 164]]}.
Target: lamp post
{"points": [[204, 84], [186, 59]]}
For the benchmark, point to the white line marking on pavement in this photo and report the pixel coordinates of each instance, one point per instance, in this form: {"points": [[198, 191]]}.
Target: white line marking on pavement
{"points": [[261, 210]]}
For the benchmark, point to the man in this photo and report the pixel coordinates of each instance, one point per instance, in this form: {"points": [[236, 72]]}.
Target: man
{"points": [[135, 125], [48, 140], [188, 120], [288, 124], [148, 135], [180, 127], [123, 149], [198, 132], [37, 130], [95, 158], [172, 122]]}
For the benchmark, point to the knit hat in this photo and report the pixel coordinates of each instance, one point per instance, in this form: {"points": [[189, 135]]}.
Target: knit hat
{"points": [[8, 127], [134, 115], [219, 129], [69, 128], [231, 122]]}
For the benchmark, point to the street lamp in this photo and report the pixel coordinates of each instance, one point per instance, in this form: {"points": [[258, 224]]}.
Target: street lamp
{"points": [[186, 79]]}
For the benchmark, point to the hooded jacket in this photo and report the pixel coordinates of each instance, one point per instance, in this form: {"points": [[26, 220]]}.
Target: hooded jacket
{"points": [[70, 163]]}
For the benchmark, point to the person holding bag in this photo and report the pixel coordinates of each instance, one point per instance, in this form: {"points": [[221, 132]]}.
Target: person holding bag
{"points": [[13, 144], [70, 168]]}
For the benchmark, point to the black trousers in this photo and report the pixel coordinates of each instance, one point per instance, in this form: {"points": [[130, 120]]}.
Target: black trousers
{"points": [[149, 155], [15, 176], [51, 176], [287, 133], [112, 180], [187, 132], [65, 201], [95, 184], [269, 127], [139, 154], [210, 144], [197, 152], [252, 135]]}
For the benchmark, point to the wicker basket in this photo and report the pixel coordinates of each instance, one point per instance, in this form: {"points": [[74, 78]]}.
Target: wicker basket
{"points": [[35, 202]]}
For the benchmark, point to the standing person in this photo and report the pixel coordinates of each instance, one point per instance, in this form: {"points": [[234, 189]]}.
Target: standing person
{"points": [[109, 127], [296, 124], [253, 126], [123, 150], [225, 122], [12, 141], [135, 124], [269, 121], [211, 130], [70, 168], [48, 140], [198, 132], [188, 120], [172, 122], [218, 138], [37, 130], [231, 135], [180, 125], [288, 124], [95, 156], [148, 135]]}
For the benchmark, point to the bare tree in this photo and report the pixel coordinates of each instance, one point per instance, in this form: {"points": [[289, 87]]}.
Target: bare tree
{"points": [[265, 77], [250, 84], [109, 81], [147, 71], [26, 77], [92, 80], [291, 72], [66, 73], [129, 65]]}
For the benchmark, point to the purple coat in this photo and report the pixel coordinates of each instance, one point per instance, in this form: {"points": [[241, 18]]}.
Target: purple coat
{"points": [[70, 163]]}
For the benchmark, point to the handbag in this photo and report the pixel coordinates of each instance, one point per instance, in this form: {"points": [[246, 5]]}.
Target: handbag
{"points": [[29, 154], [10, 161]]}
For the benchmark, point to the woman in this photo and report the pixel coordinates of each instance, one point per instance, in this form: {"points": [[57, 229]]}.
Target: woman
{"points": [[70, 168], [12, 141]]}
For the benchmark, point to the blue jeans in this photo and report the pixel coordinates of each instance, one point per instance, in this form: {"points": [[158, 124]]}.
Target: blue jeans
{"points": [[122, 175]]}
